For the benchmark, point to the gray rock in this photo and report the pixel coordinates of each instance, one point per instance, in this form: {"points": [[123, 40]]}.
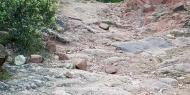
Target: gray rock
{"points": [[169, 71], [139, 46], [20, 60], [182, 41], [58, 36], [182, 67], [155, 85], [185, 79], [169, 62], [3, 86], [182, 32], [169, 81], [175, 70]]}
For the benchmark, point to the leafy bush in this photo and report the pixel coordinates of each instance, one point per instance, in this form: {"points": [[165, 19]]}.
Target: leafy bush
{"points": [[24, 20], [4, 38], [4, 75]]}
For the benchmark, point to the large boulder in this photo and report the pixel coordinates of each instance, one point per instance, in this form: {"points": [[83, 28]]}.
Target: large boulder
{"points": [[3, 55]]}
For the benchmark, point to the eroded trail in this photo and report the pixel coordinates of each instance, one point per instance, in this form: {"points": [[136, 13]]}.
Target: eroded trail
{"points": [[145, 62]]}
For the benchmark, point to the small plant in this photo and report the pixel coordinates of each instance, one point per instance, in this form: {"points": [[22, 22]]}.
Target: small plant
{"points": [[24, 20], [4, 75], [109, 1]]}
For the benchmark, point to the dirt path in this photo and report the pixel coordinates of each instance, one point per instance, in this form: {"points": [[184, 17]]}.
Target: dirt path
{"points": [[147, 63]]}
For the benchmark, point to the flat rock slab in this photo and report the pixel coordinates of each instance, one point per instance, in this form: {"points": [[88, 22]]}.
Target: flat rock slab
{"points": [[138, 46]]}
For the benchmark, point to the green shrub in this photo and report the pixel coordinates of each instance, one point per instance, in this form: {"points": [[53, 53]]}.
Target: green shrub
{"points": [[4, 75], [4, 38], [24, 20]]}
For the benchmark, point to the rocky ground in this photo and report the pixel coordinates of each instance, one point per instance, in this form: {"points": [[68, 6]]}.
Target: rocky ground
{"points": [[135, 53]]}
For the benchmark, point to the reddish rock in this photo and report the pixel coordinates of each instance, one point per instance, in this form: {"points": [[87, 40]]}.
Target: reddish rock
{"points": [[36, 59], [148, 8], [51, 46], [62, 56], [111, 69], [68, 75], [81, 64]]}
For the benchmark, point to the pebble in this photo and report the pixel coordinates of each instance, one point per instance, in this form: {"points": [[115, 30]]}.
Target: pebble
{"points": [[104, 26], [81, 64], [68, 75], [111, 69]]}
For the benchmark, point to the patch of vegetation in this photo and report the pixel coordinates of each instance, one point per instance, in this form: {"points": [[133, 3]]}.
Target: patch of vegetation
{"points": [[25, 19], [4, 75], [4, 39], [110, 1]]}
